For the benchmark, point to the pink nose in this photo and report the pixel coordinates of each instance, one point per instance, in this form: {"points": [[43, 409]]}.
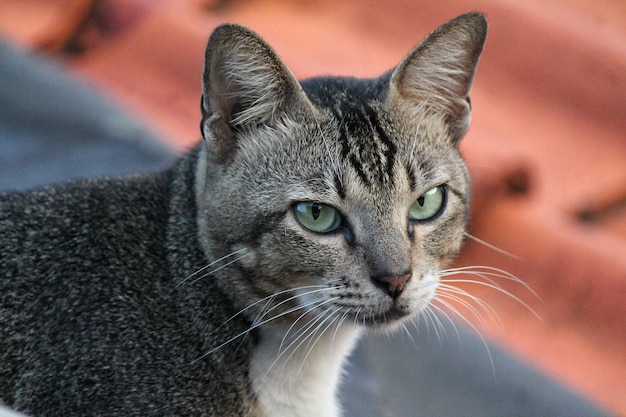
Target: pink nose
{"points": [[392, 284]]}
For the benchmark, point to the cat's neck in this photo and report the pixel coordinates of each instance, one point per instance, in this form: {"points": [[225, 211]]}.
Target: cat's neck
{"points": [[303, 380]]}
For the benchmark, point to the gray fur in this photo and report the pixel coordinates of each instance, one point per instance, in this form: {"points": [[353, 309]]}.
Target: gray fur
{"points": [[106, 308]]}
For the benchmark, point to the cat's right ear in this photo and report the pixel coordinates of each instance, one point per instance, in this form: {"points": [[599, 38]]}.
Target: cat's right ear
{"points": [[245, 86]]}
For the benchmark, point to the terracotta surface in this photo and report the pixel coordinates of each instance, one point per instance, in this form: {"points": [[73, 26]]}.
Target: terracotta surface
{"points": [[547, 147]]}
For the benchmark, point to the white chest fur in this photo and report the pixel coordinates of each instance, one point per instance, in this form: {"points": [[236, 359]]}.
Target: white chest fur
{"points": [[300, 381]]}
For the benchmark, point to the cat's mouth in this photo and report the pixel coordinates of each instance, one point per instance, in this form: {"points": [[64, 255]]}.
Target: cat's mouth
{"points": [[392, 316]]}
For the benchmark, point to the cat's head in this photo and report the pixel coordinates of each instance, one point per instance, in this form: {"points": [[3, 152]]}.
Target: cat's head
{"points": [[335, 196]]}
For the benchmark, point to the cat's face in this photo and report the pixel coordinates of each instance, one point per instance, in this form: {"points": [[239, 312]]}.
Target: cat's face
{"points": [[337, 198]]}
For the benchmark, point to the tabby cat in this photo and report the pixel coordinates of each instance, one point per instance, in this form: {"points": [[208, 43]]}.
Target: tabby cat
{"points": [[237, 282]]}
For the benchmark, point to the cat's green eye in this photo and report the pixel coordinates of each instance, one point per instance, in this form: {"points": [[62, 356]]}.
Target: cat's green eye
{"points": [[317, 217], [429, 205]]}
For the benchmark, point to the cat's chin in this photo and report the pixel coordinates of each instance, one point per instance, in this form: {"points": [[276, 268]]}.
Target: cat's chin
{"points": [[387, 321]]}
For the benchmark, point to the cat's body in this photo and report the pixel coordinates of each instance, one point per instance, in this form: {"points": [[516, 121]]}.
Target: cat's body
{"points": [[236, 283], [91, 322]]}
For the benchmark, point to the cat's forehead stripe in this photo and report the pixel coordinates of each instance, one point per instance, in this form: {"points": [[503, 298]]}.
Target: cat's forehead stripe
{"points": [[365, 143]]}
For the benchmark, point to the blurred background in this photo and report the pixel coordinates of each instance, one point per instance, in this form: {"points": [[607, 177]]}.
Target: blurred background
{"points": [[547, 146]]}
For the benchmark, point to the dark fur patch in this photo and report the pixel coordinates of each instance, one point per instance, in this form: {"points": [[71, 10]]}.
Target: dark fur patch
{"points": [[364, 142], [410, 173], [339, 189]]}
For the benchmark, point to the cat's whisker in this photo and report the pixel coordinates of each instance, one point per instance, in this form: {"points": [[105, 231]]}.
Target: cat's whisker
{"points": [[215, 349], [341, 321], [447, 293], [332, 315], [303, 334], [260, 323], [213, 271], [296, 337], [490, 284], [318, 327], [295, 322], [241, 334], [355, 320], [364, 317], [487, 268], [264, 310], [452, 309], [204, 268], [488, 271], [482, 272], [304, 329], [288, 334], [269, 299], [258, 317], [458, 296], [438, 326], [281, 314], [436, 313], [264, 299], [417, 320], [492, 247], [296, 296], [408, 333]]}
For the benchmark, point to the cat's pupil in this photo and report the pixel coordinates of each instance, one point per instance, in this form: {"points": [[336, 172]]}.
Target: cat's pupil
{"points": [[316, 209], [420, 201]]}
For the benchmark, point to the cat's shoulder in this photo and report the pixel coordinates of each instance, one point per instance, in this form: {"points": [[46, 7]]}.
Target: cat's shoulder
{"points": [[67, 199]]}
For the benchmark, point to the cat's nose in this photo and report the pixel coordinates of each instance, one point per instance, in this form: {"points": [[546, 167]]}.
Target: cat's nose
{"points": [[392, 284]]}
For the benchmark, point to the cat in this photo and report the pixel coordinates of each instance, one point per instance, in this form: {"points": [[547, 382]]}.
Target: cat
{"points": [[236, 282]]}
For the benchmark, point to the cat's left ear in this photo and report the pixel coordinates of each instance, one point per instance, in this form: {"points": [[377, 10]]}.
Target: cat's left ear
{"points": [[436, 76]]}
